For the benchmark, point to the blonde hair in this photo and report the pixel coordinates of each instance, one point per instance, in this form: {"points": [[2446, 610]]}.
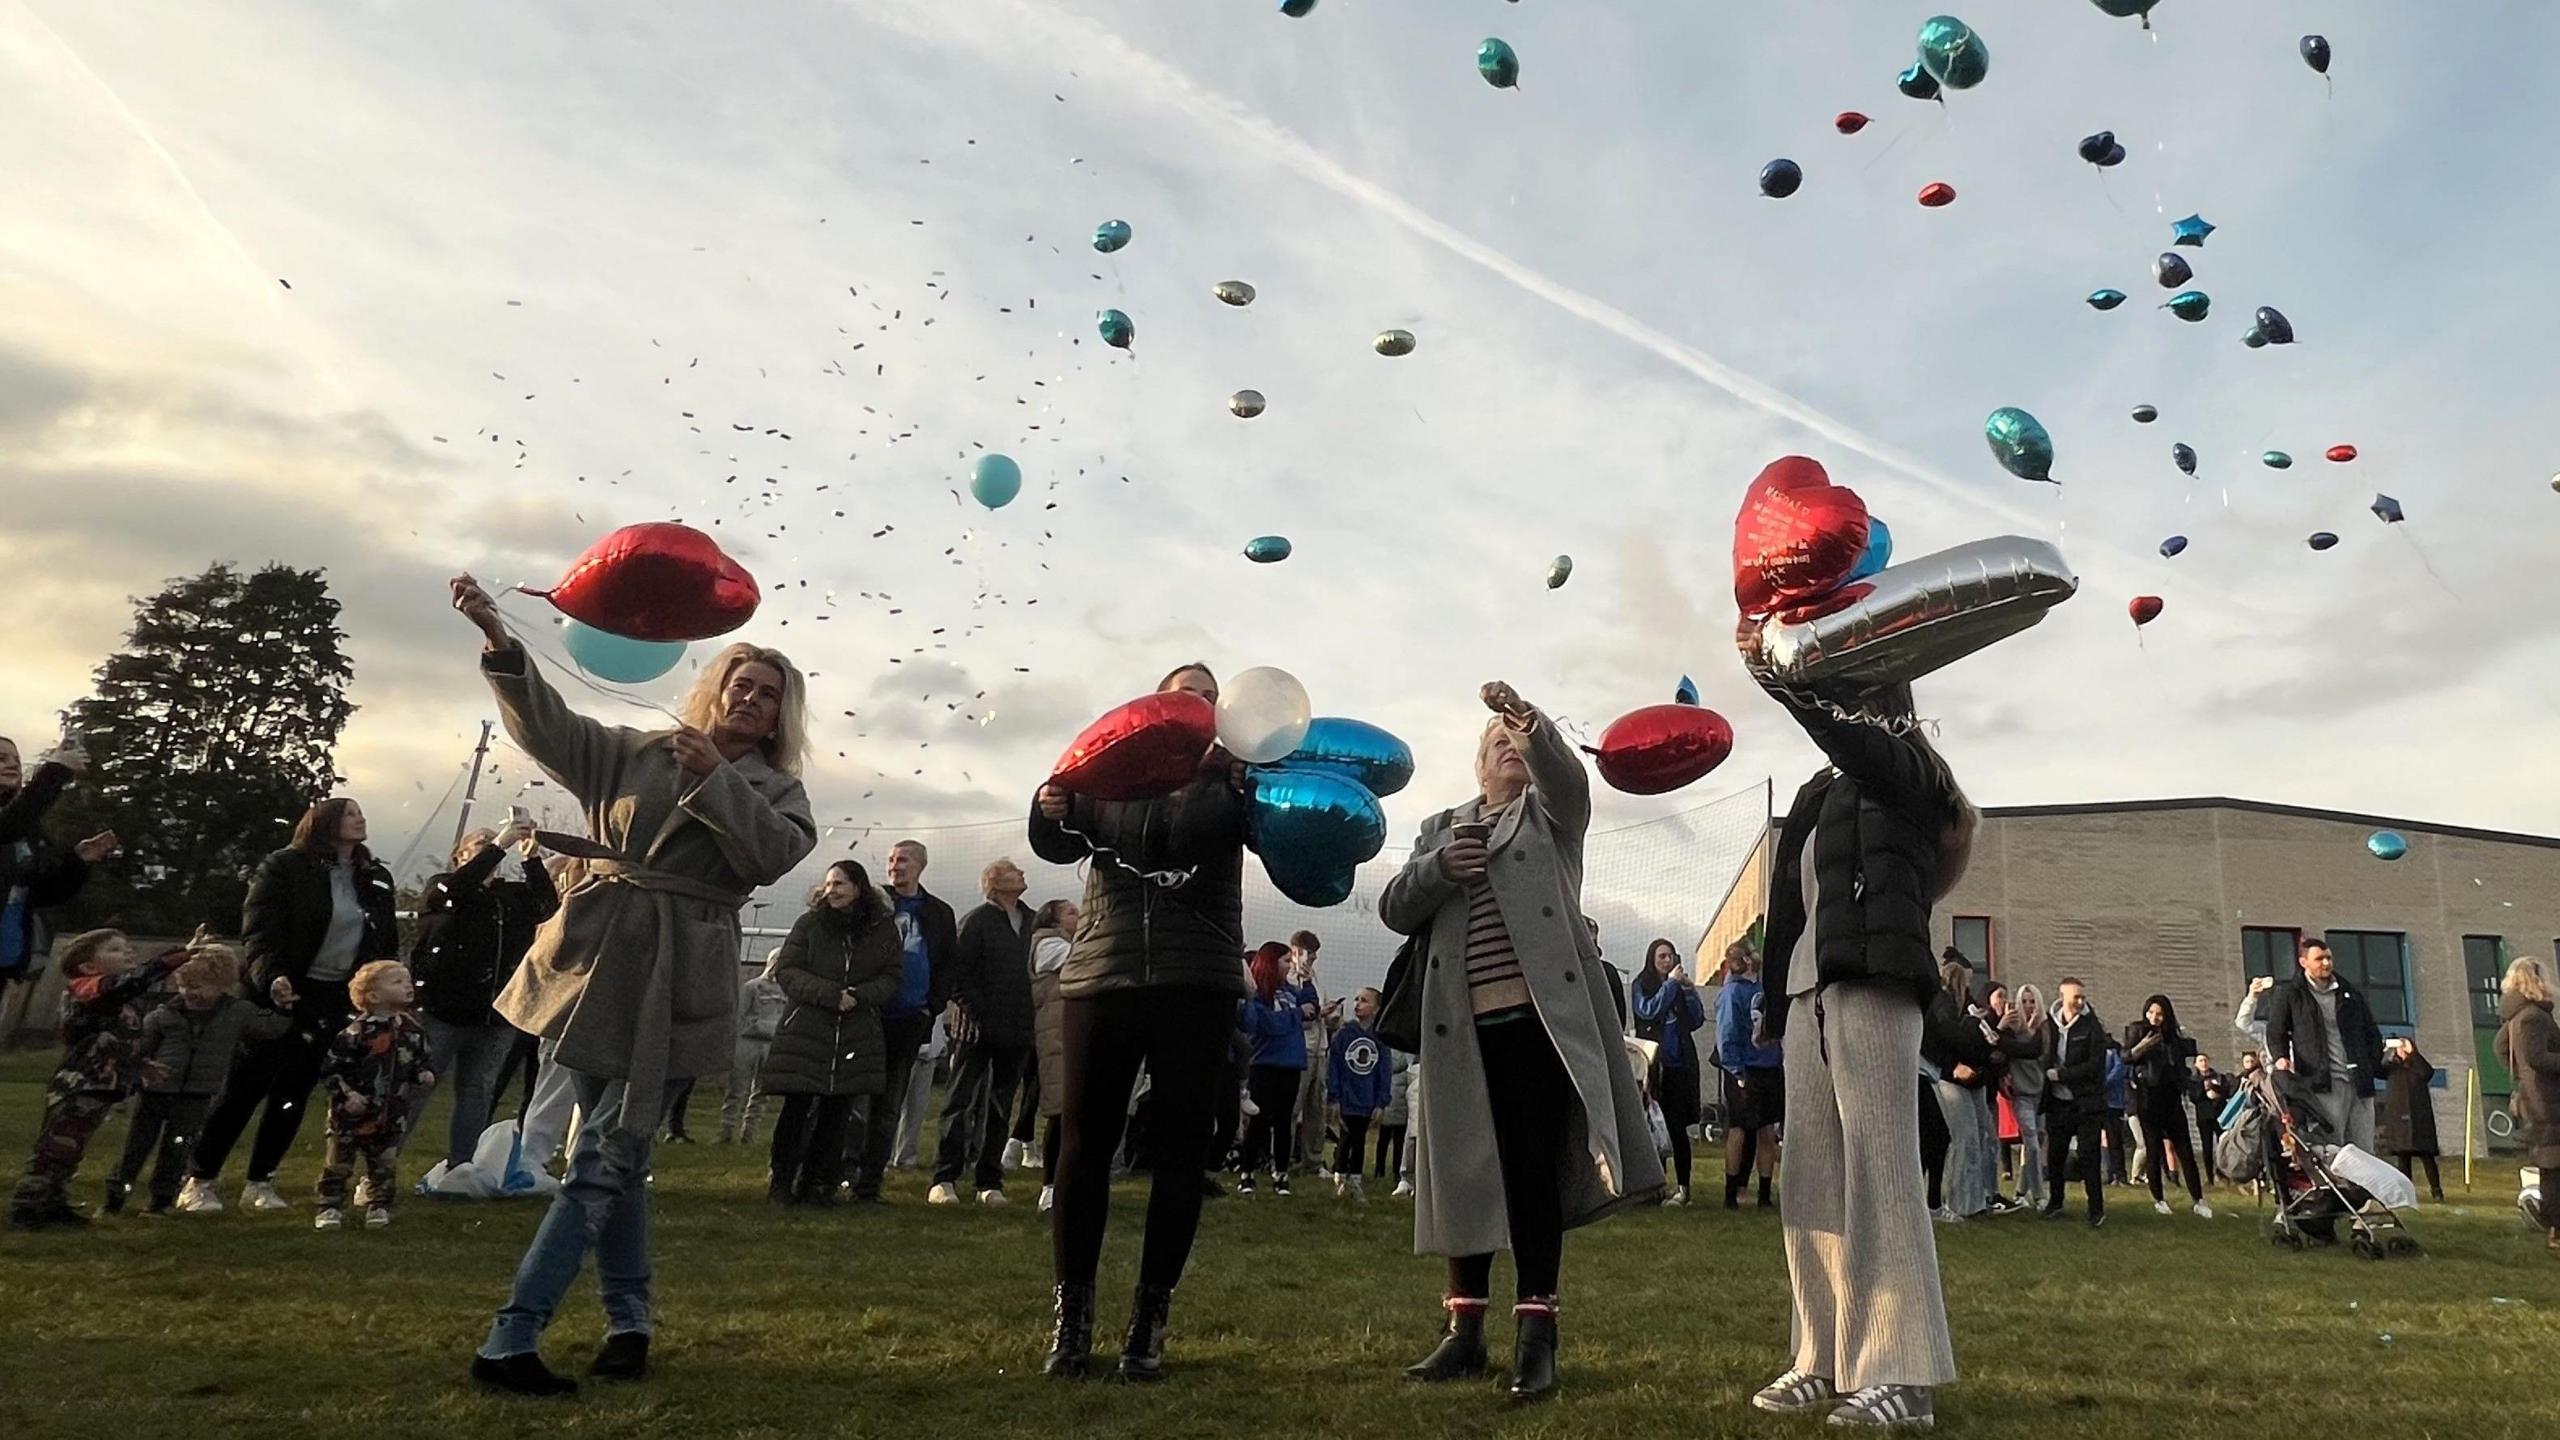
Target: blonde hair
{"points": [[2018, 998], [2528, 979], [367, 982], [701, 707], [998, 866], [463, 846], [1484, 750], [209, 969]]}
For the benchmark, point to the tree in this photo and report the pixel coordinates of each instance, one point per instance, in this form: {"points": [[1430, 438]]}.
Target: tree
{"points": [[208, 735]]}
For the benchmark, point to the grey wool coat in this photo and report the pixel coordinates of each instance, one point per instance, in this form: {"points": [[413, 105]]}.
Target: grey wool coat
{"points": [[1608, 1159], [636, 975]]}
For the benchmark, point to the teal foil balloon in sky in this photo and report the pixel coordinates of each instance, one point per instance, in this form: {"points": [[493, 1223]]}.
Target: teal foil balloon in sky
{"points": [[1498, 63], [619, 659], [1110, 235], [1916, 82], [1354, 750], [1953, 55], [2276, 460], [996, 481], [2386, 845], [1267, 549], [2190, 305], [1116, 328], [1879, 551], [2190, 231], [2105, 299], [2019, 442], [2126, 9], [1295, 8]]}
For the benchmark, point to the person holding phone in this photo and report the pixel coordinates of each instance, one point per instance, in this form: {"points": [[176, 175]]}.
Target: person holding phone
{"points": [[1535, 1121], [2407, 1128], [1668, 1010], [477, 923], [2161, 1056]]}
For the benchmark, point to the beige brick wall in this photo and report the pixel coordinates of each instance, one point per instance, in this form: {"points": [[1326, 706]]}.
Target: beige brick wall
{"points": [[2135, 902]]}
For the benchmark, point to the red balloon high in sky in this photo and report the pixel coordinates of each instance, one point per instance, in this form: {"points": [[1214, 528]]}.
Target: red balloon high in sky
{"points": [[1848, 122], [2144, 609], [659, 581]]}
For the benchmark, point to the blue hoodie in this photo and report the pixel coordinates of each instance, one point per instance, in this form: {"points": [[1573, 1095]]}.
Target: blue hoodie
{"points": [[1278, 1037], [1361, 1081], [2117, 1071], [1736, 1005]]}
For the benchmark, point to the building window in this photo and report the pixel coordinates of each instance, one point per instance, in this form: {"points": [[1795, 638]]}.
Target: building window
{"points": [[1973, 942], [2377, 963], [2484, 963], [2266, 951]]}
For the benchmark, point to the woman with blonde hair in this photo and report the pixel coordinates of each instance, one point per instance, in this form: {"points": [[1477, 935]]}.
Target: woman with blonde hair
{"points": [[2022, 1037], [634, 981], [1536, 1121], [2529, 1046]]}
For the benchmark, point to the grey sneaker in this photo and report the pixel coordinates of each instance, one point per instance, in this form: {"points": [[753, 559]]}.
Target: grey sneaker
{"points": [[1795, 1393], [1888, 1407]]}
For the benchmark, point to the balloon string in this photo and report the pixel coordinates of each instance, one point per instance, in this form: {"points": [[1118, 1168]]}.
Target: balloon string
{"points": [[2421, 553], [570, 667], [1168, 879]]}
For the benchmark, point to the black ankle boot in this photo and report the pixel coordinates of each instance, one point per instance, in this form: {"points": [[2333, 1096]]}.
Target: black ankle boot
{"points": [[1533, 1355], [1142, 1355], [625, 1356], [1071, 1345], [1460, 1355]]}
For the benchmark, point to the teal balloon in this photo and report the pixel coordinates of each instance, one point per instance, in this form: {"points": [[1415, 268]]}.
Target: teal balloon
{"points": [[1879, 552], [2126, 9], [2105, 299], [1916, 82], [1267, 549], [996, 481], [2386, 844], [1953, 55], [1312, 829], [1498, 64], [1353, 749], [1110, 235], [2019, 442], [2190, 305], [619, 658], [2190, 231], [1116, 328], [1295, 8], [2276, 460]]}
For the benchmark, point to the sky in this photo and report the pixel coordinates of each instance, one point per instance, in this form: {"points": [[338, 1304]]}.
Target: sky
{"points": [[402, 290]]}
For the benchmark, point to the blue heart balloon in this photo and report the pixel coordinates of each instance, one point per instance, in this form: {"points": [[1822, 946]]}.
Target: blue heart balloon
{"points": [[619, 658], [996, 481], [2190, 305], [1353, 749], [1916, 82], [1879, 552], [1116, 329], [1313, 829]]}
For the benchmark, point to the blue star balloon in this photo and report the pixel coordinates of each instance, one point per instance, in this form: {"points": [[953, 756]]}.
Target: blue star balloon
{"points": [[1953, 55], [2387, 510], [2323, 540], [2272, 324], [2185, 456], [2105, 299], [2189, 305], [2192, 230], [1117, 330], [1916, 82], [2276, 460], [1781, 178], [1267, 549], [1110, 235], [2173, 547], [2019, 442], [1687, 694], [1498, 64]]}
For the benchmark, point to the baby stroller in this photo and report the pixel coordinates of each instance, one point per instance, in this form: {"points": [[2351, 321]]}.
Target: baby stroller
{"points": [[2287, 1142]]}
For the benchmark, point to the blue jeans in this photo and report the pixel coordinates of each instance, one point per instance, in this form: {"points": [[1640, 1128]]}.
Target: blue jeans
{"points": [[604, 1204], [468, 1058]]}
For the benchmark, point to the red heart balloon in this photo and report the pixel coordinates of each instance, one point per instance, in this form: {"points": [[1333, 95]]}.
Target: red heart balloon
{"points": [[1937, 193], [1797, 537], [1144, 750], [1661, 748], [658, 581], [2341, 454], [2144, 609]]}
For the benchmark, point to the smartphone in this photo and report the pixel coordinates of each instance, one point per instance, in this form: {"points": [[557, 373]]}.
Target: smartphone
{"points": [[516, 816]]}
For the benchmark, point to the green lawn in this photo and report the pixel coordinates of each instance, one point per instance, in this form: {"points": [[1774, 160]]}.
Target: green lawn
{"points": [[1298, 1313]]}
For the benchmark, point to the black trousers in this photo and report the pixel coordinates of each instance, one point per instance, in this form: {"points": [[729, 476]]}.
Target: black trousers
{"points": [[1390, 1151], [2164, 1132], [277, 1076], [676, 1107], [1271, 1139], [2435, 1180], [1676, 1088], [1352, 1147], [1180, 1035], [1026, 1120], [1934, 1140], [2119, 1150], [2064, 1124], [973, 1114], [870, 1147], [2208, 1135], [1532, 1099], [168, 1124], [808, 1143]]}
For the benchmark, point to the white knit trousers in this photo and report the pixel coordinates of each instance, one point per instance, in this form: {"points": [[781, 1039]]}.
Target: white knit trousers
{"points": [[1860, 1253]]}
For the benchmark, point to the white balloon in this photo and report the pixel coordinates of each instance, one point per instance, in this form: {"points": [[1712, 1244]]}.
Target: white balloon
{"points": [[1263, 714]]}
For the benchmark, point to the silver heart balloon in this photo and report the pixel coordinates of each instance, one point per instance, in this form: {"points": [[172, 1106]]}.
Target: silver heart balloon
{"points": [[1922, 615]]}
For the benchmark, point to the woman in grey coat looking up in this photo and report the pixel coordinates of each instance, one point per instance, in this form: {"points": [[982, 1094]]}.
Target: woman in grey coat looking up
{"points": [[1536, 1125], [635, 980]]}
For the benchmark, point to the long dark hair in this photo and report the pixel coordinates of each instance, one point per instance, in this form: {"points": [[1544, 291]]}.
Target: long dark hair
{"points": [[2168, 1014], [868, 905], [316, 833], [1649, 979], [1178, 671]]}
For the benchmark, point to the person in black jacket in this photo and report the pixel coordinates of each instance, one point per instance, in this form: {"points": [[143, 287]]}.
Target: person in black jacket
{"points": [[1153, 980], [2321, 1031], [930, 938], [991, 989], [1872, 842], [2407, 1129], [318, 910], [2160, 1054], [2075, 1099], [839, 966], [34, 873], [477, 922]]}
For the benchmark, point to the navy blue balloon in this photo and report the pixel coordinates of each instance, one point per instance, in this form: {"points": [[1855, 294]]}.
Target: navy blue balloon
{"points": [[2315, 52], [2105, 299], [2323, 540], [2387, 510], [2185, 455], [2173, 547], [2172, 270], [1354, 750], [1916, 82], [1687, 694], [2096, 148], [1313, 829], [2113, 158], [2273, 325], [2145, 414], [1296, 8], [1781, 178]]}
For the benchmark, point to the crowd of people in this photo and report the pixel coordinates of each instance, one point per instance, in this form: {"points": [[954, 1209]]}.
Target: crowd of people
{"points": [[1133, 1029]]}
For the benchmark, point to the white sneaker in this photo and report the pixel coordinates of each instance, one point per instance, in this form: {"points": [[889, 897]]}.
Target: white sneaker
{"points": [[1888, 1407], [1014, 1151], [261, 1195], [197, 1198], [2204, 1209], [992, 1197], [1341, 1187], [327, 1219], [1358, 1190], [376, 1217], [2160, 1207], [1678, 1196], [942, 1195], [1048, 1197], [1403, 1190], [1946, 1216]]}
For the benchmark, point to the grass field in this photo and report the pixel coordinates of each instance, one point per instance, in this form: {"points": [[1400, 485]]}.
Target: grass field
{"points": [[908, 1321]]}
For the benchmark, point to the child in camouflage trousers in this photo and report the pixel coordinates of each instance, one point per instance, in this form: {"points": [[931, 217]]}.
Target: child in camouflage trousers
{"points": [[377, 1075], [107, 992]]}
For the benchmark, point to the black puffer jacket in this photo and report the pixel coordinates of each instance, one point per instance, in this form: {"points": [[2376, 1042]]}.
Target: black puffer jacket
{"points": [[2159, 1073], [1950, 1036], [2078, 1053], [1137, 933], [472, 935], [286, 917], [51, 874], [2295, 1029], [992, 976], [1879, 818], [820, 1049]]}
